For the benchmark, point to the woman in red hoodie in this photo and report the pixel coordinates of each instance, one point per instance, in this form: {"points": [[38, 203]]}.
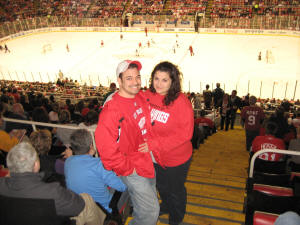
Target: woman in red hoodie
{"points": [[173, 123]]}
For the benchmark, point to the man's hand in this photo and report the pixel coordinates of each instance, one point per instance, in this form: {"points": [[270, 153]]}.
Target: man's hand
{"points": [[143, 147], [67, 153], [92, 150]]}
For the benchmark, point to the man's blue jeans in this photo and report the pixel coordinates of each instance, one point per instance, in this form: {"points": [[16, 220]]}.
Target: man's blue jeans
{"points": [[288, 218], [143, 196]]}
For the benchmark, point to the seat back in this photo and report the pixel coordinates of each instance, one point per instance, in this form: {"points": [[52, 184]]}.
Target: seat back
{"points": [[263, 218], [266, 202], [264, 166], [3, 171], [17, 211], [282, 180]]}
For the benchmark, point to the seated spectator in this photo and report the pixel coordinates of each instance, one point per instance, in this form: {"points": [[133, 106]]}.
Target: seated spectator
{"points": [[39, 114], [85, 174], [7, 141], [25, 182], [269, 141], [296, 120], [90, 120], [206, 123], [295, 145], [53, 115], [281, 120], [63, 134], [19, 114], [41, 140]]}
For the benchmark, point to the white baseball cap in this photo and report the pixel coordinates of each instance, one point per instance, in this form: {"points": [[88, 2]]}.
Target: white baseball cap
{"points": [[123, 66]]}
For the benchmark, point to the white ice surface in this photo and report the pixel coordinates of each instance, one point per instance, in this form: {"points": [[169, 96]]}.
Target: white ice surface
{"points": [[231, 60]]}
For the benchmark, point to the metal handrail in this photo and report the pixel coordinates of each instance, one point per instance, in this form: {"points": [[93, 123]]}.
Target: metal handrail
{"points": [[34, 124], [287, 152]]}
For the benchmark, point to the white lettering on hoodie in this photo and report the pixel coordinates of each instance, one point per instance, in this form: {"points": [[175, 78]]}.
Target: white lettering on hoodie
{"points": [[159, 116]]}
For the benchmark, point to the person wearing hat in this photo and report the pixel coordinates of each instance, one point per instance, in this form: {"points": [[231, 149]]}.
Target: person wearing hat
{"points": [[121, 139]]}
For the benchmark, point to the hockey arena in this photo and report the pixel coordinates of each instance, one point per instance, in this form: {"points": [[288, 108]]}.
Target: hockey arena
{"points": [[230, 59], [224, 155]]}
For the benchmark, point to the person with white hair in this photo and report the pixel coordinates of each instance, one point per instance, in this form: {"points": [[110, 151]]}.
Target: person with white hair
{"points": [[26, 182]]}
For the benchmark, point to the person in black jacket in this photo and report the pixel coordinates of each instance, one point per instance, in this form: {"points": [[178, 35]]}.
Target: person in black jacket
{"points": [[235, 104], [218, 96]]}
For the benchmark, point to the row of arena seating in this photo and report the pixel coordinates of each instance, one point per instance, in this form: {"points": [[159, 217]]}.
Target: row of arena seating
{"points": [[273, 189]]}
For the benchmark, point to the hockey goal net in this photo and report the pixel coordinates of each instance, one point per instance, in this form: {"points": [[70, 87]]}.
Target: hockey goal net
{"points": [[270, 57], [46, 48]]}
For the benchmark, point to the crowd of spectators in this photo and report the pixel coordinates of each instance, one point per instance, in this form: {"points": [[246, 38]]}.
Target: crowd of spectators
{"points": [[49, 103], [146, 7], [20, 9]]}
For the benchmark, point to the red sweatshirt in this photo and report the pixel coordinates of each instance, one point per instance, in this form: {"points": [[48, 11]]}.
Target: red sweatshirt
{"points": [[118, 148], [173, 128], [268, 142], [252, 115]]}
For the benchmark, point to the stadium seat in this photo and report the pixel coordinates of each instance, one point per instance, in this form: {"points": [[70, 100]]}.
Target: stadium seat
{"points": [[14, 211], [3, 171], [271, 167], [273, 190], [263, 218], [263, 198]]}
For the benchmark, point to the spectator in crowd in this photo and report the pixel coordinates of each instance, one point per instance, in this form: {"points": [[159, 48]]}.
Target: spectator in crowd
{"points": [[295, 145], [296, 120], [19, 114], [252, 117], [205, 124], [245, 101], [123, 128], [25, 103], [90, 120], [7, 141], [195, 100], [39, 114], [85, 174], [235, 104], [225, 112], [112, 89], [207, 95], [53, 115], [173, 118], [218, 96], [268, 141], [64, 134], [41, 140], [25, 182], [280, 118]]}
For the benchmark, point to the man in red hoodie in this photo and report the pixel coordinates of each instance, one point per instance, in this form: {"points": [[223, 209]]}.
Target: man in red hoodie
{"points": [[123, 129], [269, 141], [252, 116]]}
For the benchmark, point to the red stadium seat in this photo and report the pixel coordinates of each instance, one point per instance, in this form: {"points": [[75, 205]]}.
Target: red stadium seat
{"points": [[3, 171], [263, 218], [273, 190]]}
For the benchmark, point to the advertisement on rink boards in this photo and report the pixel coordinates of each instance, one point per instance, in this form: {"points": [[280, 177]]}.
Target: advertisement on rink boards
{"points": [[154, 29]]}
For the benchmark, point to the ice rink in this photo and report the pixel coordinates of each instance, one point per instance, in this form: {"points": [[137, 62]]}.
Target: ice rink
{"points": [[231, 60]]}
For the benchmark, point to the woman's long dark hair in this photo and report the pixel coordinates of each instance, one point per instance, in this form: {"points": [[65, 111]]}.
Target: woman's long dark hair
{"points": [[175, 76]]}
